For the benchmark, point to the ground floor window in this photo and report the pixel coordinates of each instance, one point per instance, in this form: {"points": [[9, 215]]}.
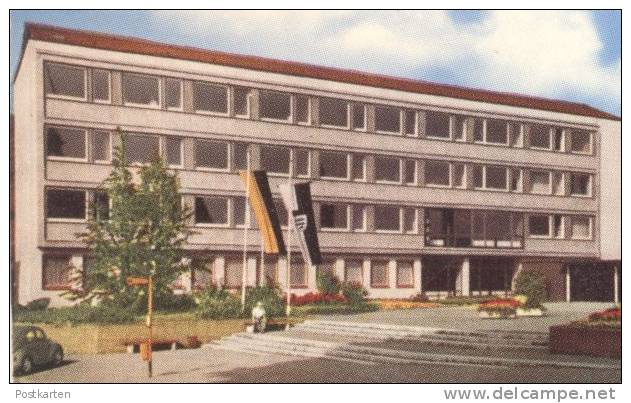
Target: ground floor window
{"points": [[233, 272], [405, 274], [353, 271], [379, 274], [298, 274], [56, 272], [269, 271], [487, 275], [202, 273], [440, 273]]}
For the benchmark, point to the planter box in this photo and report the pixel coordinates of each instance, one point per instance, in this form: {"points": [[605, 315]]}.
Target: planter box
{"points": [[496, 315], [587, 340], [530, 312]]}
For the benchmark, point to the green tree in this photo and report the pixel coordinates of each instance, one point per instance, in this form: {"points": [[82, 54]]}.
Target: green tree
{"points": [[142, 233]]}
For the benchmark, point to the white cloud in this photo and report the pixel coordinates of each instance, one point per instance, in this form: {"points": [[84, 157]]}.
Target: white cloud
{"points": [[545, 53]]}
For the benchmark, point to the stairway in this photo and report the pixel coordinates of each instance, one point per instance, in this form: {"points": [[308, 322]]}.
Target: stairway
{"points": [[369, 343]]}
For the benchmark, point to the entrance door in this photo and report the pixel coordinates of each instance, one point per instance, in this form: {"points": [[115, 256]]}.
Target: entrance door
{"points": [[591, 282]]}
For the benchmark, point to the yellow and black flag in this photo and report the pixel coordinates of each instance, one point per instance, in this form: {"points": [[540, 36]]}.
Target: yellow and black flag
{"points": [[264, 211]]}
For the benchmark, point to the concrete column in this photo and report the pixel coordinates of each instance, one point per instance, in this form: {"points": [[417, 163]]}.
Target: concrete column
{"points": [[392, 273], [463, 278], [568, 285], [188, 145], [370, 118], [526, 135], [220, 271], [370, 168], [370, 218], [282, 272], [312, 281], [366, 274], [616, 285], [468, 135], [418, 274], [420, 121], [117, 88], [251, 271], [76, 261], [187, 96], [254, 104], [339, 268], [314, 160], [518, 270]]}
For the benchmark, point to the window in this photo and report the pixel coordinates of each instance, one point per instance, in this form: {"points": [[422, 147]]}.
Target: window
{"points": [[387, 169], [297, 273], [358, 218], [275, 105], [459, 127], [580, 184], [458, 175], [173, 151], [379, 274], [57, 272], [387, 119], [409, 220], [211, 210], [65, 142], [211, 154], [281, 212], [173, 93], [275, 159], [515, 130], [240, 156], [302, 162], [559, 139], [581, 142], [334, 216], [410, 172], [241, 101], [64, 81], [333, 165], [101, 208], [558, 183], [496, 177], [410, 123], [270, 270], [478, 130], [516, 180], [101, 149], [387, 218], [101, 86], [202, 273], [558, 226], [210, 98], [540, 182], [405, 274], [581, 227], [359, 167], [238, 210], [303, 110], [496, 131], [359, 116], [142, 149], [540, 137], [353, 271], [437, 173], [65, 204], [333, 112], [539, 225], [141, 90], [233, 272], [437, 124], [478, 176]]}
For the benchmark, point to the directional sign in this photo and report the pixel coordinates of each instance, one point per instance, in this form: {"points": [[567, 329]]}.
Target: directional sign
{"points": [[132, 281]]}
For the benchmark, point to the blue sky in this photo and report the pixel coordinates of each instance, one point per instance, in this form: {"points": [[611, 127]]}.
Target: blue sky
{"points": [[571, 55]]}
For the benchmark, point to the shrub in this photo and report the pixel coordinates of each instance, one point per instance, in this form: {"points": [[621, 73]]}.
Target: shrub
{"points": [[216, 303], [419, 297], [271, 298], [354, 293], [77, 314], [175, 303], [38, 304], [533, 286], [328, 283]]}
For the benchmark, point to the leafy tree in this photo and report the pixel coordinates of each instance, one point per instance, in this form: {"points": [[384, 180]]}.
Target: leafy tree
{"points": [[142, 233]]}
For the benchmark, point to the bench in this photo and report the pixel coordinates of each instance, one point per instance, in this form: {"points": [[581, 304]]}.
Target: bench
{"points": [[133, 346]]}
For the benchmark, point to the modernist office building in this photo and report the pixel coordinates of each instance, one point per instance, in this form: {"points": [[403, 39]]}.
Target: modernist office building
{"points": [[416, 186]]}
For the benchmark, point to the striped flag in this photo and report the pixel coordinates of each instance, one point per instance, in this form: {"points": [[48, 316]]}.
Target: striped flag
{"points": [[260, 197], [297, 200]]}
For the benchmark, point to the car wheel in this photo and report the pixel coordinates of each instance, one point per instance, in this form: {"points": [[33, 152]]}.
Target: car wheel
{"points": [[27, 366], [58, 357]]}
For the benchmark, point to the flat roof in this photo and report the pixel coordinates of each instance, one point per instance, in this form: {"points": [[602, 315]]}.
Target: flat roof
{"points": [[48, 33]]}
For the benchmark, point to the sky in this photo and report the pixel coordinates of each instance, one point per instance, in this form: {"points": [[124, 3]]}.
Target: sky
{"points": [[568, 55]]}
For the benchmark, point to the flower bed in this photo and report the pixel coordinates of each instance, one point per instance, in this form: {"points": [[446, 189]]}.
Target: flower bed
{"points": [[499, 309], [315, 298], [393, 304], [608, 315]]}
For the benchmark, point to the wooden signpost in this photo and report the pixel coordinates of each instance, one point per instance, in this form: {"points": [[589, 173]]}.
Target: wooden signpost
{"points": [[145, 347]]}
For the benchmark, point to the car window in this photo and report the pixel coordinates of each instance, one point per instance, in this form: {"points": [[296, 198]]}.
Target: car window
{"points": [[30, 336]]}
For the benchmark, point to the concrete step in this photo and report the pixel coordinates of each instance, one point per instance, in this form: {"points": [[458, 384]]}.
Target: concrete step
{"points": [[273, 344], [380, 331]]}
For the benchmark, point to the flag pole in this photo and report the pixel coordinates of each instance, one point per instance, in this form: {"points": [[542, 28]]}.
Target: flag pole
{"points": [[246, 225], [290, 220]]}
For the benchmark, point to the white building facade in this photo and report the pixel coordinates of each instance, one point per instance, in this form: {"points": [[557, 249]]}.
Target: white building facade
{"points": [[417, 187]]}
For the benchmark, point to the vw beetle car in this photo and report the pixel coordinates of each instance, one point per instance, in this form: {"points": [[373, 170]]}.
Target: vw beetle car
{"points": [[31, 349]]}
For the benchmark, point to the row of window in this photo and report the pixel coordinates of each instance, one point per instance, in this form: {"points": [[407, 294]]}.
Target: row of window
{"points": [[72, 144], [58, 271], [157, 92], [443, 227]]}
